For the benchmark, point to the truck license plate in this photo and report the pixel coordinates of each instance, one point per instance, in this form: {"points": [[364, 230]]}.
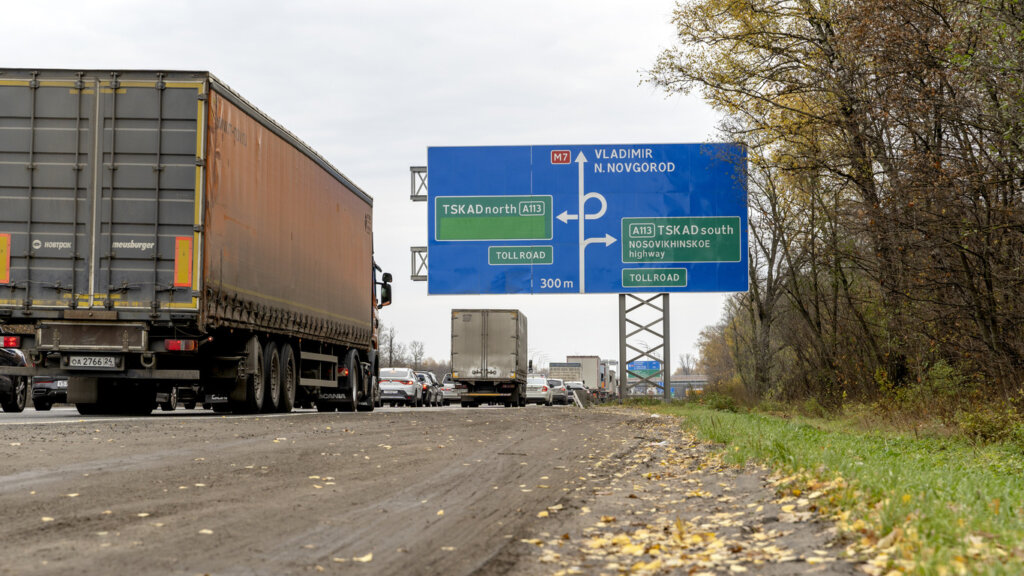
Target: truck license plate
{"points": [[92, 362]]}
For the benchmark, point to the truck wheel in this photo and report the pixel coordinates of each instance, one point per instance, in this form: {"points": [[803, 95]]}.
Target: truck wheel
{"points": [[88, 408], [288, 379], [19, 395], [254, 381], [351, 382], [271, 377], [172, 401]]}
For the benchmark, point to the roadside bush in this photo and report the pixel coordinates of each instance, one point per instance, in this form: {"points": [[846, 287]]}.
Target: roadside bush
{"points": [[811, 408], [989, 424], [942, 392], [718, 401]]}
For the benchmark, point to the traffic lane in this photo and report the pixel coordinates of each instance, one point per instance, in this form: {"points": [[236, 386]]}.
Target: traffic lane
{"points": [[423, 491], [68, 413]]}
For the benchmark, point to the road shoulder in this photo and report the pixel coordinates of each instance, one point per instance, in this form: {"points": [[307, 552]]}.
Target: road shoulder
{"points": [[671, 505]]}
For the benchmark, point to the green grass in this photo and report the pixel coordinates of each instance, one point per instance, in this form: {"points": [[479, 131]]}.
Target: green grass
{"points": [[954, 507]]}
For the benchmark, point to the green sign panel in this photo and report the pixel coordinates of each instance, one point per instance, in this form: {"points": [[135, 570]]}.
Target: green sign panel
{"points": [[513, 255], [653, 277], [681, 239], [492, 218]]}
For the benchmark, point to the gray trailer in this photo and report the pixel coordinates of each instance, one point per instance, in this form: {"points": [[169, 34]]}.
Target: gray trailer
{"points": [[591, 370], [489, 356], [159, 233]]}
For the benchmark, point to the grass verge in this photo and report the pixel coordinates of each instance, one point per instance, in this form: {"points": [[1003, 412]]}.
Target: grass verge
{"points": [[913, 505]]}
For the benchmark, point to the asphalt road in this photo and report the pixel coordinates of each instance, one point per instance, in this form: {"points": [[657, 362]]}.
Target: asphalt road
{"points": [[395, 491]]}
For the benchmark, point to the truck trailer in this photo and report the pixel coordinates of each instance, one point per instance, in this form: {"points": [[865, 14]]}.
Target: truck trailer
{"points": [[566, 371], [489, 356], [159, 233], [590, 367]]}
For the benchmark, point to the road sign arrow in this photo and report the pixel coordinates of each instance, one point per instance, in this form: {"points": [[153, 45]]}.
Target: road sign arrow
{"points": [[565, 217], [608, 240]]}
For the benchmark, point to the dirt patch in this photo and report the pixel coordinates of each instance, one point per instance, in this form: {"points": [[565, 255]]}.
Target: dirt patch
{"points": [[671, 506]]}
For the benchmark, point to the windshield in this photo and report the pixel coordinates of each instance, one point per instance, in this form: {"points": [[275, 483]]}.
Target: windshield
{"points": [[395, 373]]}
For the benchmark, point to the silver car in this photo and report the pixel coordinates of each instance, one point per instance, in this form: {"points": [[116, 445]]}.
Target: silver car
{"points": [[577, 387], [559, 393], [400, 386], [537, 390], [449, 390]]}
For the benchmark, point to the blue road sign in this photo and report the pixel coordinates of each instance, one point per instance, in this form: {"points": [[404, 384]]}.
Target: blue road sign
{"points": [[587, 219], [638, 365]]}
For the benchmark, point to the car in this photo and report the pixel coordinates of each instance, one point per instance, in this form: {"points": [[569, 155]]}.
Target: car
{"points": [[575, 386], [450, 390], [559, 393], [13, 389], [537, 390], [400, 386], [431, 389], [47, 391]]}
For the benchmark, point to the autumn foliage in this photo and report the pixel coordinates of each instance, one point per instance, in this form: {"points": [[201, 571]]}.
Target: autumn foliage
{"points": [[886, 182]]}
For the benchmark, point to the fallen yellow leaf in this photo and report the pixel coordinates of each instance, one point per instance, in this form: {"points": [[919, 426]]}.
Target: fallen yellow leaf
{"points": [[364, 559]]}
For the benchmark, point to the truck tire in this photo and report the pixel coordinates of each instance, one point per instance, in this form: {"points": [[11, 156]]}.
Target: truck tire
{"points": [[271, 377], [172, 401], [351, 382], [288, 379], [19, 395], [254, 381]]}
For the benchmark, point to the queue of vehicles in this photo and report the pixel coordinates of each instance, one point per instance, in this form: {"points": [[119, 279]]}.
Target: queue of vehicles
{"points": [[211, 256], [189, 276]]}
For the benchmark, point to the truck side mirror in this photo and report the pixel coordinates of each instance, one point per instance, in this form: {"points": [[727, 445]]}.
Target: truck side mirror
{"points": [[385, 292], [386, 278]]}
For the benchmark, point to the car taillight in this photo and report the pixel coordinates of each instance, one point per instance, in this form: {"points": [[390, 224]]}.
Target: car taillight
{"points": [[543, 388], [181, 345], [12, 341]]}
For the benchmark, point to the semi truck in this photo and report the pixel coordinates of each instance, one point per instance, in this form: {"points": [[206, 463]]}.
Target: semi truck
{"points": [[566, 371], [160, 234], [489, 356], [590, 367]]}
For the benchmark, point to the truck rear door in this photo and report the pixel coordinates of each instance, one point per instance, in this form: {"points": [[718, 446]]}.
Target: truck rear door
{"points": [[468, 361], [100, 183]]}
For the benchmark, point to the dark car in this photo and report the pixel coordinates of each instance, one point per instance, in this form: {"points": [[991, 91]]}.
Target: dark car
{"points": [[47, 391], [432, 395], [13, 389]]}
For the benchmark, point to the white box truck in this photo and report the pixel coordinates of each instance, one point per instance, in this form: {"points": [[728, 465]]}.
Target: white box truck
{"points": [[489, 356]]}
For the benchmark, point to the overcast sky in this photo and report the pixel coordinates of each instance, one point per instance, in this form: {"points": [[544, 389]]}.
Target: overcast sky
{"points": [[370, 85]]}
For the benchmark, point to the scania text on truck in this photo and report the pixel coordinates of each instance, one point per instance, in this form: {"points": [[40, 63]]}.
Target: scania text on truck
{"points": [[160, 233], [489, 356]]}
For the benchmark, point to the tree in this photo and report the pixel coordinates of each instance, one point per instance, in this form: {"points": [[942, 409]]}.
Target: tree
{"points": [[886, 153], [416, 351], [686, 364]]}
